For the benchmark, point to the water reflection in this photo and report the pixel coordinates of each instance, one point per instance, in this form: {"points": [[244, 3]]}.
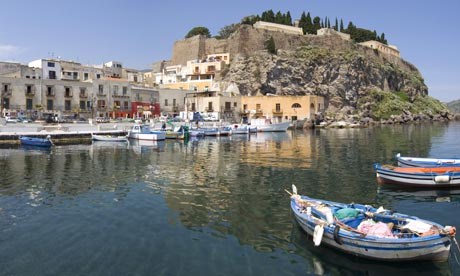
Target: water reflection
{"points": [[224, 189]]}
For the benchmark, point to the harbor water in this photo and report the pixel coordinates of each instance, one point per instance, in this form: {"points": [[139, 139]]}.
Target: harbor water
{"points": [[209, 206]]}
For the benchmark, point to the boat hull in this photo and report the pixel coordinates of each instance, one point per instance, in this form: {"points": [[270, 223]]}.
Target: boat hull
{"points": [[106, 138], [279, 127], [154, 136], [406, 177], [37, 142]]}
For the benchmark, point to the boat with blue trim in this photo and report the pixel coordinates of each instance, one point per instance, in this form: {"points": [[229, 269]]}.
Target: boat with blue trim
{"points": [[406, 161], [372, 233]]}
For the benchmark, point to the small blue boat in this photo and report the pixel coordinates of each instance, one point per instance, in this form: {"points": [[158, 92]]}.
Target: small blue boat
{"points": [[371, 233], [35, 141]]}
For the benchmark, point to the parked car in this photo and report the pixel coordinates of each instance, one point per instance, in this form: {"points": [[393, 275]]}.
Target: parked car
{"points": [[11, 120]]}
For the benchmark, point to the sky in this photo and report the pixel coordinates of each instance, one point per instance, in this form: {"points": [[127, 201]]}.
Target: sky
{"points": [[140, 32]]}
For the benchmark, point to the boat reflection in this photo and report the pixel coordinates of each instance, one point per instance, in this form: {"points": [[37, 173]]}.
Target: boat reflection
{"points": [[140, 146], [388, 192]]}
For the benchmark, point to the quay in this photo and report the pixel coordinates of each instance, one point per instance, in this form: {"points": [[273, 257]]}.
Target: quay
{"points": [[60, 133]]}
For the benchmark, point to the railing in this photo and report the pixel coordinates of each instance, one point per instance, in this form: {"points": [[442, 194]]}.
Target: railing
{"points": [[209, 109], [30, 91], [277, 111], [6, 92], [83, 95]]}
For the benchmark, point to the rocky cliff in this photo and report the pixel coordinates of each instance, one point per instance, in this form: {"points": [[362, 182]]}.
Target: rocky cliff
{"points": [[357, 82]]}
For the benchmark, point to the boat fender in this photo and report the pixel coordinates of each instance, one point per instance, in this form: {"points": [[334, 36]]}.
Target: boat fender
{"points": [[329, 217], [318, 234], [442, 179], [336, 235]]}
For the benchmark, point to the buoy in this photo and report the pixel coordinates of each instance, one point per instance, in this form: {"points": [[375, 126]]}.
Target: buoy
{"points": [[442, 179], [318, 234]]}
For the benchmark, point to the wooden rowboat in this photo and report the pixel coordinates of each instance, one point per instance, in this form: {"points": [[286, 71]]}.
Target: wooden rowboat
{"points": [[371, 233], [441, 177]]}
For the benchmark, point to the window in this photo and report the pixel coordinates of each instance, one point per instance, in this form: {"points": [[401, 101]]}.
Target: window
{"points": [[82, 105], [98, 76], [174, 102], [67, 105], [235, 104], [82, 92], [85, 76], [115, 90], [296, 105], [125, 91], [49, 105], [101, 89], [49, 91], [135, 78], [52, 75], [50, 64], [211, 68], [75, 75], [166, 102], [258, 109], [126, 105], [228, 106], [278, 107], [209, 106], [193, 107], [29, 104], [68, 92], [29, 89]]}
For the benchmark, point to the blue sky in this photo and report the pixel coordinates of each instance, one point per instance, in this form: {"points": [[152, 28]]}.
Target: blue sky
{"points": [[140, 32]]}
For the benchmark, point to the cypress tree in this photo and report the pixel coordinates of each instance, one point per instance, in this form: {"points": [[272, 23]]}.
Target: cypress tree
{"points": [[288, 20], [336, 26], [341, 25], [309, 24], [303, 23]]}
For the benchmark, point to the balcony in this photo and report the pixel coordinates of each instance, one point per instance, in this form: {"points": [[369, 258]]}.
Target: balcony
{"points": [[50, 93], [228, 109], [277, 112], [209, 109], [6, 92], [30, 91], [83, 95], [68, 95], [258, 112]]}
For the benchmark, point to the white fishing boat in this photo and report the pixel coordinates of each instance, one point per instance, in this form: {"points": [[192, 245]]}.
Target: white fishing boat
{"points": [[143, 132], [266, 125]]}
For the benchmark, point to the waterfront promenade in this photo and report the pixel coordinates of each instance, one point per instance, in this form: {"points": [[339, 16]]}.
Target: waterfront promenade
{"points": [[60, 133]]}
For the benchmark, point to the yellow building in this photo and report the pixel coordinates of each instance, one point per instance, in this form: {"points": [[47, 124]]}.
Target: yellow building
{"points": [[281, 108]]}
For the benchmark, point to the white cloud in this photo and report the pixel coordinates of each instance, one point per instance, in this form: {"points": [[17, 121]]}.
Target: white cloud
{"points": [[9, 51]]}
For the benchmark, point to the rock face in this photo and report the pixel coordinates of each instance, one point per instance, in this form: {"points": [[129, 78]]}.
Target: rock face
{"points": [[340, 70]]}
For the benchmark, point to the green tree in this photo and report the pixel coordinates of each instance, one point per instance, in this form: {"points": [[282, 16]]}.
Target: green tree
{"points": [[316, 24], [288, 20], [341, 25], [336, 26], [198, 31], [270, 45], [309, 25], [226, 31]]}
